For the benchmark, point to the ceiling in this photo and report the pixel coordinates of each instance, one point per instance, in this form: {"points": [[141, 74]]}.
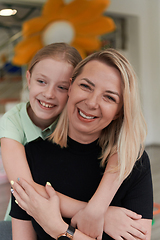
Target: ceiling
{"points": [[10, 26]]}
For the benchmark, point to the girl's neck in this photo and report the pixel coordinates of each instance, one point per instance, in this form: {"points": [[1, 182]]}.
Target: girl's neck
{"points": [[42, 124]]}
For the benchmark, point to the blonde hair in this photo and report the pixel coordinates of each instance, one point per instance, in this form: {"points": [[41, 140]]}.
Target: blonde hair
{"points": [[59, 51], [127, 133]]}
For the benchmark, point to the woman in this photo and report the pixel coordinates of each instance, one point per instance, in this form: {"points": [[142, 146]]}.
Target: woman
{"points": [[102, 118]]}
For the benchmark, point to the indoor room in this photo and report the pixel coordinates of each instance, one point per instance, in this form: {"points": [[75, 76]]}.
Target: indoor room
{"points": [[132, 28]]}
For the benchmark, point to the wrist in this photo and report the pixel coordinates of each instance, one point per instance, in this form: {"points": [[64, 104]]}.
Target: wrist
{"points": [[95, 210], [68, 234], [59, 228]]}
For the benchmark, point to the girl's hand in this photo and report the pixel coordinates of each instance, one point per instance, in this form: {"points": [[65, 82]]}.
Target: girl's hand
{"points": [[89, 222], [45, 211], [121, 223]]}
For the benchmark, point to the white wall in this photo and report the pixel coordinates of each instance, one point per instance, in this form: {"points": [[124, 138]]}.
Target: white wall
{"points": [[143, 51]]}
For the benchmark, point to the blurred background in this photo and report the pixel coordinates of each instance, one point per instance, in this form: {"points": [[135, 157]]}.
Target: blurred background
{"points": [[136, 33]]}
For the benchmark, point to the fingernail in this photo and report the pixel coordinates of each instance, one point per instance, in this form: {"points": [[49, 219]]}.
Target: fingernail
{"points": [[12, 191], [48, 183], [16, 201], [18, 178], [12, 182]]}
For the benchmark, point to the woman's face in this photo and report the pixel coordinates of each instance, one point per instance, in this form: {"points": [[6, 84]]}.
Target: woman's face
{"points": [[95, 99]]}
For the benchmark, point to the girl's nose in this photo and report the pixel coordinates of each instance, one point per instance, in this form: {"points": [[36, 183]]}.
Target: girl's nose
{"points": [[49, 93]]}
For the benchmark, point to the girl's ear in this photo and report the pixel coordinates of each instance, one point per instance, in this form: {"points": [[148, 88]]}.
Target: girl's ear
{"points": [[28, 76], [70, 84], [70, 81]]}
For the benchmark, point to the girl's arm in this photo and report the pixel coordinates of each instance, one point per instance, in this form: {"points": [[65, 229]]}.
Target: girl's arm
{"points": [[15, 163], [41, 208], [90, 219], [16, 166], [49, 216], [22, 230]]}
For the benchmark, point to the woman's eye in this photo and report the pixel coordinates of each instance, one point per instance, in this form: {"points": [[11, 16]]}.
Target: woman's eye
{"points": [[108, 97], [83, 85]]}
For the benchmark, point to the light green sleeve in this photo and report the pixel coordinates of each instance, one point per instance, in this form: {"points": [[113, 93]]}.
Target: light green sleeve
{"points": [[11, 127]]}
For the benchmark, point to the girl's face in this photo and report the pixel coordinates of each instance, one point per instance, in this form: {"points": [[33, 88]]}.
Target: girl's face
{"points": [[48, 90], [95, 100]]}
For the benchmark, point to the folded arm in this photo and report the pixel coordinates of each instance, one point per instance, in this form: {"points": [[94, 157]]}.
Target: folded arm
{"points": [[40, 208], [121, 223]]}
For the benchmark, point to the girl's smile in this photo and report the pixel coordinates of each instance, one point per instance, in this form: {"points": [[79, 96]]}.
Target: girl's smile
{"points": [[48, 88]]}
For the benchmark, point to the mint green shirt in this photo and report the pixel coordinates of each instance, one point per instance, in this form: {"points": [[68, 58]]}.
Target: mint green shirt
{"points": [[17, 125]]}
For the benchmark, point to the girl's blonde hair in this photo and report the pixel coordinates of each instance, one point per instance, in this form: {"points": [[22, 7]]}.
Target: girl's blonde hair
{"points": [[127, 133], [59, 51]]}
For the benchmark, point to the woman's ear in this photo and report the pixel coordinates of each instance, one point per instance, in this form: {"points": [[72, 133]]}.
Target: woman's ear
{"points": [[118, 114], [28, 76]]}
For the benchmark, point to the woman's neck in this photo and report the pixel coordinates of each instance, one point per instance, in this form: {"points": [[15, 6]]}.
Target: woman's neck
{"points": [[82, 138]]}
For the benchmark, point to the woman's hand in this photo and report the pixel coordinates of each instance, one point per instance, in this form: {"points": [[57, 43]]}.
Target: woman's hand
{"points": [[121, 223], [45, 211]]}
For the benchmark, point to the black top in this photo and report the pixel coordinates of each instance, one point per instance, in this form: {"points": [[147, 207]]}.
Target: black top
{"points": [[75, 171]]}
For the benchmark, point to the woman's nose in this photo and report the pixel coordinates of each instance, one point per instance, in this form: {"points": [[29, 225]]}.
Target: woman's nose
{"points": [[92, 101]]}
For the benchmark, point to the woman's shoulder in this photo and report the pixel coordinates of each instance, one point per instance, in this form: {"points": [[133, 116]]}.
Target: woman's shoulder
{"points": [[141, 169], [143, 162]]}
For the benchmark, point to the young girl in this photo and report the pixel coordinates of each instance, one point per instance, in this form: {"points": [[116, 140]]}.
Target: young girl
{"points": [[48, 82]]}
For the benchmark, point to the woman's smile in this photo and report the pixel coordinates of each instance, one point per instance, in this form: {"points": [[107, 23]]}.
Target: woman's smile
{"points": [[95, 100], [84, 116]]}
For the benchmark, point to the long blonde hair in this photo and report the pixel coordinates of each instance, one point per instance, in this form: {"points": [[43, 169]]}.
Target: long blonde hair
{"points": [[127, 133]]}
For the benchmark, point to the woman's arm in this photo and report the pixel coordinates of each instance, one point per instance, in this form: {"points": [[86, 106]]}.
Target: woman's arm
{"points": [[40, 209], [22, 230], [121, 223], [31, 201]]}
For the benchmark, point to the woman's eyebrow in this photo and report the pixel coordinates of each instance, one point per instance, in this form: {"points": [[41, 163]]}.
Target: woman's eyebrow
{"points": [[116, 93], [107, 91], [86, 79]]}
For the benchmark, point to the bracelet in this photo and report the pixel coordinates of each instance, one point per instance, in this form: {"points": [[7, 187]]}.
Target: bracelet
{"points": [[68, 234]]}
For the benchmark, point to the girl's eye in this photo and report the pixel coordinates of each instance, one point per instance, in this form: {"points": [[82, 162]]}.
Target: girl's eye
{"points": [[63, 88], [41, 81]]}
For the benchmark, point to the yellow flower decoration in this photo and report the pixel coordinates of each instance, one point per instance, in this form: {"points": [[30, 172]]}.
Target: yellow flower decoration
{"points": [[78, 23]]}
